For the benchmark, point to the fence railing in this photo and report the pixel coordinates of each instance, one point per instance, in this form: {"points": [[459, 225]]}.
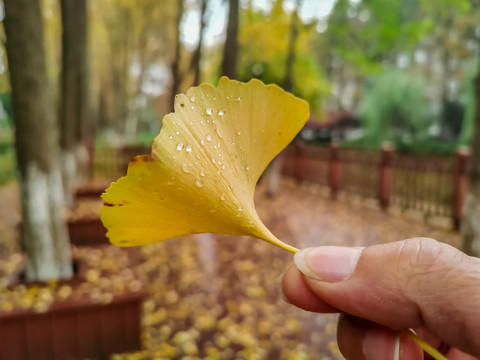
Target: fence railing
{"points": [[431, 184], [110, 163]]}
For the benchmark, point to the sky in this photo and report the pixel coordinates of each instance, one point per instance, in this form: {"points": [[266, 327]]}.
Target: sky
{"points": [[217, 18]]}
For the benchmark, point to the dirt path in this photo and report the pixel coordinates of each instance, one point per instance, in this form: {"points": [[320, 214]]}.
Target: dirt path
{"points": [[300, 213]]}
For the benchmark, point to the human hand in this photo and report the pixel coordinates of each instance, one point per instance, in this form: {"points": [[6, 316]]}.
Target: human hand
{"points": [[417, 284]]}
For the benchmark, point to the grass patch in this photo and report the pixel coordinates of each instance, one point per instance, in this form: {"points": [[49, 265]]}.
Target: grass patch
{"points": [[8, 167]]}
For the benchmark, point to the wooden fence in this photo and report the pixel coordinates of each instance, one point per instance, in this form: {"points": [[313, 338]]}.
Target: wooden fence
{"points": [[110, 163], [432, 184]]}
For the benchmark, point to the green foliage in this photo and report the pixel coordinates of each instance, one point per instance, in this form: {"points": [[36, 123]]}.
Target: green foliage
{"points": [[467, 97], [445, 8], [310, 83], [6, 116], [390, 94], [148, 119], [370, 33], [263, 42], [144, 138], [395, 110], [7, 166], [6, 144], [428, 145]]}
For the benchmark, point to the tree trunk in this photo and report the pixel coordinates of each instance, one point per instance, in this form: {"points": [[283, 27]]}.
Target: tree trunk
{"points": [[119, 33], [44, 235], [275, 175], [176, 76], [74, 94], [291, 55], [444, 97], [277, 163], [197, 55], [230, 50]]}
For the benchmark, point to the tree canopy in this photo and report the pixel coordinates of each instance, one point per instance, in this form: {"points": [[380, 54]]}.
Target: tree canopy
{"points": [[341, 48]]}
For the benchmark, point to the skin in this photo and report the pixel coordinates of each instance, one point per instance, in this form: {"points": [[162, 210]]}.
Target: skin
{"points": [[417, 284]]}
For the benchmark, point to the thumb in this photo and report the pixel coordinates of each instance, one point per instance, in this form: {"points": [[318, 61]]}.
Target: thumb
{"points": [[407, 284]]}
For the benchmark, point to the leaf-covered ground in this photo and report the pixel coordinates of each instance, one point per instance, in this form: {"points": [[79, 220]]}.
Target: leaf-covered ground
{"points": [[216, 296]]}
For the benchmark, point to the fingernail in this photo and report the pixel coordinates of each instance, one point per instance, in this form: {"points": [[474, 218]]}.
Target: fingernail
{"points": [[328, 263], [280, 287]]}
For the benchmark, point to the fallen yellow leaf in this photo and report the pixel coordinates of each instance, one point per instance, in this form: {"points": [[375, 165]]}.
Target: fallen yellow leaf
{"points": [[201, 174]]}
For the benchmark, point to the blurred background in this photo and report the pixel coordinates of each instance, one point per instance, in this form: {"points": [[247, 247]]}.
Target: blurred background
{"points": [[391, 151]]}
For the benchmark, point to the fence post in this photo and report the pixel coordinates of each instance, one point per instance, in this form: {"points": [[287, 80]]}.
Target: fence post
{"points": [[334, 170], [385, 176], [459, 185], [299, 163]]}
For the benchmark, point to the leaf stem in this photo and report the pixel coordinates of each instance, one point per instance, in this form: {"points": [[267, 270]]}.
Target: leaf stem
{"points": [[290, 248], [430, 350]]}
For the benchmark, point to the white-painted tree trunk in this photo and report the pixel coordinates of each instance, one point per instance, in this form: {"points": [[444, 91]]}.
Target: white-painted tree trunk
{"points": [[82, 157], [69, 171], [274, 176], [44, 234], [74, 171]]}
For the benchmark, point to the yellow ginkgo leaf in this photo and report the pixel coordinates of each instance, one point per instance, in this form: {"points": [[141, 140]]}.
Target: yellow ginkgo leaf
{"points": [[204, 165]]}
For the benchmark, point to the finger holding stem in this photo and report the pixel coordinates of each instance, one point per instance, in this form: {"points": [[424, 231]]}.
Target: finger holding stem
{"points": [[326, 277]]}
